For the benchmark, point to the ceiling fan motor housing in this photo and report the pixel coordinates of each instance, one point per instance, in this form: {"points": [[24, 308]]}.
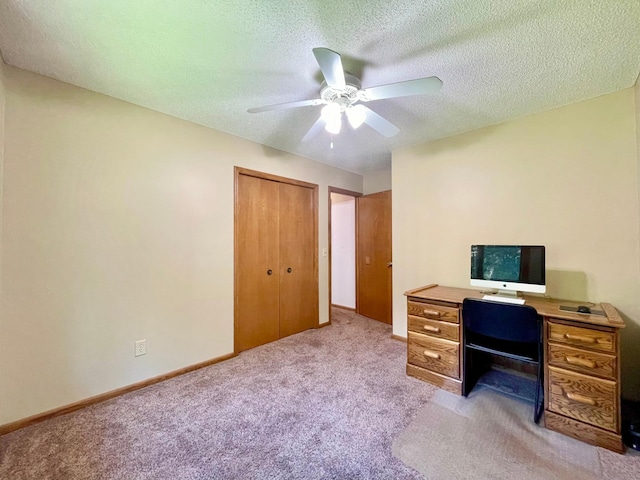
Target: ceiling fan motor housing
{"points": [[343, 97]]}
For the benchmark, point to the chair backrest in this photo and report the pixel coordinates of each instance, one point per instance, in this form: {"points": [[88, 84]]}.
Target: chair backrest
{"points": [[505, 321]]}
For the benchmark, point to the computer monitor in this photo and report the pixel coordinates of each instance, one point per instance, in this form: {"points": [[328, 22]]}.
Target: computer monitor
{"points": [[509, 268]]}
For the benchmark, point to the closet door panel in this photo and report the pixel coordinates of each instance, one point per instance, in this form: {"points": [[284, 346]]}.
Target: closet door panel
{"points": [[298, 278], [257, 290]]}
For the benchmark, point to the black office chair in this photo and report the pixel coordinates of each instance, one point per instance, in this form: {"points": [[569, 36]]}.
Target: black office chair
{"points": [[507, 330]]}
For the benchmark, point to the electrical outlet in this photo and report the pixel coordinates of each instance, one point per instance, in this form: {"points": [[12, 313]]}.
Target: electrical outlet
{"points": [[140, 348]]}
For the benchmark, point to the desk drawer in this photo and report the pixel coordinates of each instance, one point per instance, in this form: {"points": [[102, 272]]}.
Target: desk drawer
{"points": [[434, 328], [582, 337], [435, 312], [583, 361], [588, 399], [440, 356]]}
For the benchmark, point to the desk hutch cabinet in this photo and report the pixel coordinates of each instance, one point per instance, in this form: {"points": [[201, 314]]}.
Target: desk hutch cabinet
{"points": [[581, 358]]}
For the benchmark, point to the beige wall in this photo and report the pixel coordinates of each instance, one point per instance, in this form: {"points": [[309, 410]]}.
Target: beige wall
{"points": [[118, 226], [2, 103], [566, 179], [376, 181], [637, 118], [2, 115]]}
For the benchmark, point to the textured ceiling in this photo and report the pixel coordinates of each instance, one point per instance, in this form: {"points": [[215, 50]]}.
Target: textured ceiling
{"points": [[208, 61]]}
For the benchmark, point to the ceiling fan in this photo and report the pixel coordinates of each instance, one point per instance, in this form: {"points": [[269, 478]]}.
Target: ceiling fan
{"points": [[342, 92]]}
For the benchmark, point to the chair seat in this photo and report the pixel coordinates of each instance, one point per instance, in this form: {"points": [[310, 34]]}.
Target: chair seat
{"points": [[525, 352]]}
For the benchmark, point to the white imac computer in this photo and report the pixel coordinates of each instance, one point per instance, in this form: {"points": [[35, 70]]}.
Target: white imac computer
{"points": [[508, 268]]}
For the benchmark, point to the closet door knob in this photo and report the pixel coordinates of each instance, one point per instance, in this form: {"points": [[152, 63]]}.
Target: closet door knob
{"points": [[269, 272], [289, 270]]}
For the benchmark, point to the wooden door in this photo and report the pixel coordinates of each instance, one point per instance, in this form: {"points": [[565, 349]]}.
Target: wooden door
{"points": [[257, 253], [374, 271], [275, 230], [298, 280]]}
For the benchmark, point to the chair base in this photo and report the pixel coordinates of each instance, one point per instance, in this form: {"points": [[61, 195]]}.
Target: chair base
{"points": [[508, 382]]}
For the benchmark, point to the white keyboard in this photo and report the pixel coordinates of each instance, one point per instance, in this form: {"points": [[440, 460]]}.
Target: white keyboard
{"points": [[498, 298]]}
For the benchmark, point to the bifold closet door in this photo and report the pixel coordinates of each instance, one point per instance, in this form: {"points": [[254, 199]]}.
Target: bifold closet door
{"points": [[276, 276], [257, 263], [298, 286]]}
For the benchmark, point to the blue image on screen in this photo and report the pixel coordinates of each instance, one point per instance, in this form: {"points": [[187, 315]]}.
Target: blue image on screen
{"points": [[501, 263]]}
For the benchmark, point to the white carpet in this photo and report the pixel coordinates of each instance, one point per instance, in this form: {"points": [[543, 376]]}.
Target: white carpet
{"points": [[490, 436]]}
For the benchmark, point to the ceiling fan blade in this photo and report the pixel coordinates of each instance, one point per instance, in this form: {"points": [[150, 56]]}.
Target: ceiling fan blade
{"points": [[315, 129], [284, 106], [331, 66], [419, 86], [378, 123]]}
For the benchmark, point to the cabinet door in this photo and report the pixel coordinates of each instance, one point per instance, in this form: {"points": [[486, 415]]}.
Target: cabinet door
{"points": [[256, 243], [298, 274]]}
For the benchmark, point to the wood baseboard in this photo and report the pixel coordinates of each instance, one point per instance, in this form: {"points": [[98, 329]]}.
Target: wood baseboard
{"points": [[398, 337], [72, 407], [322, 325]]}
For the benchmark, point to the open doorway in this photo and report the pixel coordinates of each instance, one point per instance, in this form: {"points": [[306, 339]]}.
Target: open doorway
{"points": [[342, 249], [360, 274]]}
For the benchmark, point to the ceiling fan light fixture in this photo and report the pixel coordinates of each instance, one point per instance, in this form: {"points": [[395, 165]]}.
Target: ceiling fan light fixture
{"points": [[356, 115], [332, 115], [334, 126]]}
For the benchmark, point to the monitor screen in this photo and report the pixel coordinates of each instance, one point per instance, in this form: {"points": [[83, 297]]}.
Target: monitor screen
{"points": [[509, 267]]}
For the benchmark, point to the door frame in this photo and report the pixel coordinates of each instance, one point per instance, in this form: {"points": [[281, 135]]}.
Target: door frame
{"points": [[237, 171], [350, 193]]}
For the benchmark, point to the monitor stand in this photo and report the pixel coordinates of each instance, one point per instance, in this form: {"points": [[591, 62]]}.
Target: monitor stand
{"points": [[505, 296]]}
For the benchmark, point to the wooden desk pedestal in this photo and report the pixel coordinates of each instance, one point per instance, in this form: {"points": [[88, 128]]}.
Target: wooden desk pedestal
{"points": [[581, 359]]}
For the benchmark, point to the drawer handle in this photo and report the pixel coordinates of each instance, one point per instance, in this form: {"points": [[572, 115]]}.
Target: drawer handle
{"points": [[583, 362], [435, 313], [429, 328], [580, 399], [580, 338], [430, 354]]}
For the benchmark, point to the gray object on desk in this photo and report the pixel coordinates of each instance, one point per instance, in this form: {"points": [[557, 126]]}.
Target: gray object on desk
{"points": [[568, 308]]}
